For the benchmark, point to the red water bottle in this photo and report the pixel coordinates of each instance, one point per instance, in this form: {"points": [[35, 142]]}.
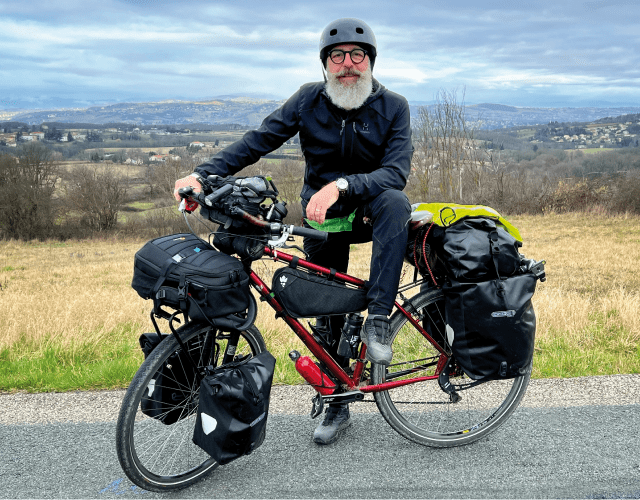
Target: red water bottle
{"points": [[312, 373]]}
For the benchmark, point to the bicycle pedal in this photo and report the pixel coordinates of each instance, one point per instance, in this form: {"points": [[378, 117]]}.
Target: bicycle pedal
{"points": [[317, 405]]}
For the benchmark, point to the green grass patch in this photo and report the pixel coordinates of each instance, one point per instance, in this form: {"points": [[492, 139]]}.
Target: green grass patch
{"points": [[604, 348], [141, 205], [590, 151], [108, 361]]}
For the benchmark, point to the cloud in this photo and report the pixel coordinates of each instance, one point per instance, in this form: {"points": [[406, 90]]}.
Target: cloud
{"points": [[531, 49]]}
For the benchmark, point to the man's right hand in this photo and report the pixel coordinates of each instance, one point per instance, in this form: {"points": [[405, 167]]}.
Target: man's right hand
{"points": [[188, 181]]}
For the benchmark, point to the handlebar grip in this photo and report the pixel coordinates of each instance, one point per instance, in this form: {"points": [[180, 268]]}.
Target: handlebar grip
{"points": [[185, 192], [309, 233], [218, 193]]}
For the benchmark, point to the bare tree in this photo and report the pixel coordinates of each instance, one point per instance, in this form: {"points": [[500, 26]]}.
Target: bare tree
{"points": [[444, 146], [288, 176], [27, 184], [161, 176], [97, 193]]}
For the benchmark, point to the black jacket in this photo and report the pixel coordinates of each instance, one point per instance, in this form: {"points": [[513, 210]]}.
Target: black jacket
{"points": [[369, 146]]}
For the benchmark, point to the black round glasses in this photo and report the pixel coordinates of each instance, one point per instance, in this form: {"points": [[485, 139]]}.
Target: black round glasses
{"points": [[357, 55]]}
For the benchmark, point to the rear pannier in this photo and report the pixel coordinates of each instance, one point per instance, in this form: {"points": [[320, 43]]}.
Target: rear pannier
{"points": [[472, 254], [183, 272]]}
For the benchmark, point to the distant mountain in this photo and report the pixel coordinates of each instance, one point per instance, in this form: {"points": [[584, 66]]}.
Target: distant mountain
{"points": [[250, 111]]}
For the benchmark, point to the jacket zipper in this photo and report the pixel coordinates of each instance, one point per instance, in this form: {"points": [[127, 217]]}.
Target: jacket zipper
{"points": [[343, 135], [353, 139]]}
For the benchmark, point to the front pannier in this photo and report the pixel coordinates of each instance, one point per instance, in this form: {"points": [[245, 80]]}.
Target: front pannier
{"points": [[491, 326], [233, 408], [305, 295], [183, 272]]}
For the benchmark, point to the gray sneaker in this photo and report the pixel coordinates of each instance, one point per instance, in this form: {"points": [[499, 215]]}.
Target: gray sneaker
{"points": [[377, 338], [336, 419]]}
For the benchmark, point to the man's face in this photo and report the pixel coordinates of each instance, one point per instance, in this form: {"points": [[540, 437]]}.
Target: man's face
{"points": [[346, 72]]}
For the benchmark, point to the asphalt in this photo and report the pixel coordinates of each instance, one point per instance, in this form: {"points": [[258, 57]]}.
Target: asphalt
{"points": [[575, 450]]}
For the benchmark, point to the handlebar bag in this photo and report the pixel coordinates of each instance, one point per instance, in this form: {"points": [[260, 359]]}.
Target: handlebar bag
{"points": [[233, 408], [186, 273], [168, 395], [305, 295], [491, 326]]}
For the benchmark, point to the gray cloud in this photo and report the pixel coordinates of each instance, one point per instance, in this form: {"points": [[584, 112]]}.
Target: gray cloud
{"points": [[501, 51]]}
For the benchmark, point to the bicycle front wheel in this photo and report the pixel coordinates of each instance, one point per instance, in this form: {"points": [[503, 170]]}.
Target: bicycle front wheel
{"points": [[162, 457], [423, 412]]}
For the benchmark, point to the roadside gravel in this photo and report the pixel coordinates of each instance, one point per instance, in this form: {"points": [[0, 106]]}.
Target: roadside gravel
{"points": [[103, 406]]}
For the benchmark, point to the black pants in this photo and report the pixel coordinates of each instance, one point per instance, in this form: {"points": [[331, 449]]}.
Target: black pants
{"points": [[388, 229]]}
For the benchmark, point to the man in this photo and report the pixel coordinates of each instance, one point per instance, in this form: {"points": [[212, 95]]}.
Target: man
{"points": [[356, 139]]}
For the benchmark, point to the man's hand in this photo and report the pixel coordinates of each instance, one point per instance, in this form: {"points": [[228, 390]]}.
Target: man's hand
{"points": [[188, 181], [321, 201]]}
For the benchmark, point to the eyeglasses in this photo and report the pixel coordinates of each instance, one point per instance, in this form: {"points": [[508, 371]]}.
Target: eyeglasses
{"points": [[357, 55]]}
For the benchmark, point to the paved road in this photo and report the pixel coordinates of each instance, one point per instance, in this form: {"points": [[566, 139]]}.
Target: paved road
{"points": [[561, 452]]}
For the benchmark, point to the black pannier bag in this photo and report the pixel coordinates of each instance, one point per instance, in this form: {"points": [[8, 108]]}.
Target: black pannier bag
{"points": [[491, 326], [233, 408], [477, 249], [167, 397], [306, 295], [186, 273]]}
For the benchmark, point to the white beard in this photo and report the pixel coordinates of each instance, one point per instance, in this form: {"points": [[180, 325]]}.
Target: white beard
{"points": [[351, 97]]}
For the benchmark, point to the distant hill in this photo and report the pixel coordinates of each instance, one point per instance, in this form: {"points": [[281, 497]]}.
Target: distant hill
{"points": [[496, 107], [250, 112]]}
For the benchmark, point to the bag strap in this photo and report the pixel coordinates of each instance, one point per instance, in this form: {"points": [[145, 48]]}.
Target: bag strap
{"points": [[168, 265], [253, 387], [294, 262], [332, 274], [495, 250]]}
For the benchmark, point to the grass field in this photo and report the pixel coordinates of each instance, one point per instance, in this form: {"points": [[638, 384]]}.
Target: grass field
{"points": [[70, 319]]}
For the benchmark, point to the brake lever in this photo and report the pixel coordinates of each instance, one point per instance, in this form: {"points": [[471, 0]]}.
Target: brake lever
{"points": [[306, 255]]}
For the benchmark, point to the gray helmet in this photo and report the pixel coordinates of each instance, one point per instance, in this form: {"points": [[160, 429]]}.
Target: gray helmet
{"points": [[348, 30]]}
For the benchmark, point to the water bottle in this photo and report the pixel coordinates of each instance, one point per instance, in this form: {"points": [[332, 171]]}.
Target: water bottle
{"points": [[312, 373], [348, 346]]}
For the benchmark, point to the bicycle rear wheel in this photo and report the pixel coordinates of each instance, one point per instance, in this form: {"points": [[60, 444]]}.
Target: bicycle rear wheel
{"points": [[423, 412], [160, 457]]}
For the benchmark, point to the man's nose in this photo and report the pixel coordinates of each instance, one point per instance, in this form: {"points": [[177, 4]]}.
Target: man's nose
{"points": [[347, 61]]}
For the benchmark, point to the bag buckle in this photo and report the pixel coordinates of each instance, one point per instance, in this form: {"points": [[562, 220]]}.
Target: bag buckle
{"points": [[161, 294]]}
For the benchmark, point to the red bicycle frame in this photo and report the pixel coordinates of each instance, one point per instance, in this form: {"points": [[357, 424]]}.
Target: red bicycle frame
{"points": [[352, 382]]}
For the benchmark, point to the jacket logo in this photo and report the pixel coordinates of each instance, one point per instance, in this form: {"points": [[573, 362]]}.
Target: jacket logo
{"points": [[365, 128], [283, 281]]}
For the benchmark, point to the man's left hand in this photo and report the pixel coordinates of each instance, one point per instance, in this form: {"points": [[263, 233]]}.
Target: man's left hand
{"points": [[321, 201]]}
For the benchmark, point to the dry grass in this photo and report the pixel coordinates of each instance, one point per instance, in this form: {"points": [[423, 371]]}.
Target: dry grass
{"points": [[78, 292]]}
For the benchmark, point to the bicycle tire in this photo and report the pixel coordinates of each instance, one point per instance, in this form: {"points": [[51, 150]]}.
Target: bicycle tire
{"points": [[422, 412], [159, 457]]}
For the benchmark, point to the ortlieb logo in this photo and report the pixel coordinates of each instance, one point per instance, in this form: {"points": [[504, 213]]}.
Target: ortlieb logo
{"points": [[503, 314]]}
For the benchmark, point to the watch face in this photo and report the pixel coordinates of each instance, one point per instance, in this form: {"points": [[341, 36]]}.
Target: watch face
{"points": [[342, 184]]}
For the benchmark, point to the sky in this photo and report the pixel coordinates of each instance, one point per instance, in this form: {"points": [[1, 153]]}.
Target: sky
{"points": [[538, 53]]}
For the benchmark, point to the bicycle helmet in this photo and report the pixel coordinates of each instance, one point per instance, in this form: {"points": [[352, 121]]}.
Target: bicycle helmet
{"points": [[348, 30]]}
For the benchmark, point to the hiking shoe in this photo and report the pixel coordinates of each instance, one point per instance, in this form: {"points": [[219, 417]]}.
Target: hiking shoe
{"points": [[336, 419], [376, 336]]}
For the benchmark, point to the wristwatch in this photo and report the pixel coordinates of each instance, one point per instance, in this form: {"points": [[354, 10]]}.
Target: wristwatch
{"points": [[342, 186]]}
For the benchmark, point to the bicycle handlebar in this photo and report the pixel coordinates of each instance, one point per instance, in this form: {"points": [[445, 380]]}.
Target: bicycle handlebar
{"points": [[309, 233], [277, 229]]}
